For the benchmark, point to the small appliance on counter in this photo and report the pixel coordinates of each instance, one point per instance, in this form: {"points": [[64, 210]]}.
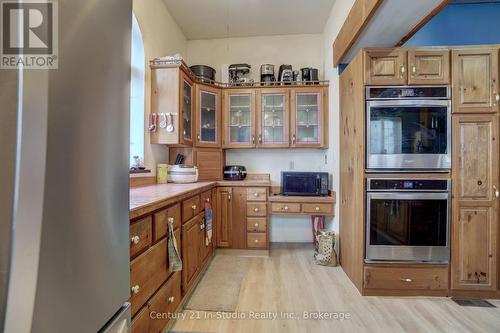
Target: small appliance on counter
{"points": [[183, 173], [309, 74], [285, 73], [267, 73], [237, 73], [205, 73], [235, 172], [304, 183]]}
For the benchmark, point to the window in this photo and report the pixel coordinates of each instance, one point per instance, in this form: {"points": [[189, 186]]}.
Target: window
{"points": [[137, 82]]}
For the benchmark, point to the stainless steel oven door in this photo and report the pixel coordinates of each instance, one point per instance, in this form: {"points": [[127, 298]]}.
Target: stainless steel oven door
{"points": [[407, 227], [408, 135]]}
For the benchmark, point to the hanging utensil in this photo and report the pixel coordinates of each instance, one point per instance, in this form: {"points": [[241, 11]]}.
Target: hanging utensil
{"points": [[170, 122], [163, 120], [152, 122]]}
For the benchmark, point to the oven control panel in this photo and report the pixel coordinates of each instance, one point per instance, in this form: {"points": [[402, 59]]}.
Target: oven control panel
{"points": [[408, 184]]}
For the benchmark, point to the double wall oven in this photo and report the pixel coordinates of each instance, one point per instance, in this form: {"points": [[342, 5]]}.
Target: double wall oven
{"points": [[408, 130]]}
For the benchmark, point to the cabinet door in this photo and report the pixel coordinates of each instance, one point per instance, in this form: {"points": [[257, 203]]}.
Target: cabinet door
{"points": [[205, 249], [475, 208], [186, 102], [385, 67], [308, 118], [273, 118], [239, 119], [190, 252], [224, 213], [475, 80], [429, 67], [208, 103], [238, 217]]}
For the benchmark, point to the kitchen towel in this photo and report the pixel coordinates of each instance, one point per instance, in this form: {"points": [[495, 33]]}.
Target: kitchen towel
{"points": [[174, 259], [208, 223]]}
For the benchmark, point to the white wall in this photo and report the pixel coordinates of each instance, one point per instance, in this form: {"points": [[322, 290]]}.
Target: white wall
{"points": [[161, 36], [296, 50]]}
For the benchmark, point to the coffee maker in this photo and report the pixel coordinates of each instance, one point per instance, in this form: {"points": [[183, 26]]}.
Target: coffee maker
{"points": [[267, 73], [309, 74], [285, 73]]}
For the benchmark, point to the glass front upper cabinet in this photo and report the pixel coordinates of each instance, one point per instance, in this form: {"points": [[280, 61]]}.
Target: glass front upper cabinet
{"points": [[240, 131], [273, 119], [208, 117], [307, 119], [187, 110]]}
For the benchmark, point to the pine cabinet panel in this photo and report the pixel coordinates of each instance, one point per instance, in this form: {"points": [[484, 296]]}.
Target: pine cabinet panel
{"points": [[385, 67], [429, 67], [475, 80]]}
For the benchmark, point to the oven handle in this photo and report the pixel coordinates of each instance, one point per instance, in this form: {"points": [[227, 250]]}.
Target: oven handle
{"points": [[409, 103], [409, 196]]}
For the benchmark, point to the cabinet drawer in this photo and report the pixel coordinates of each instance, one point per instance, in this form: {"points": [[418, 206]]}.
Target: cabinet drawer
{"points": [[141, 322], [190, 208], [279, 207], [140, 235], [165, 301], [317, 208], [256, 194], [256, 240], [205, 197], [147, 272], [257, 224], [389, 277], [256, 209], [161, 221]]}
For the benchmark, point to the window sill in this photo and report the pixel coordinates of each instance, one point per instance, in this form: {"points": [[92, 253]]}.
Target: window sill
{"points": [[134, 172]]}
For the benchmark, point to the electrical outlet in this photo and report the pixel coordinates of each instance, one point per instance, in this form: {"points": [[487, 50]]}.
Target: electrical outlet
{"points": [[292, 165], [326, 159]]}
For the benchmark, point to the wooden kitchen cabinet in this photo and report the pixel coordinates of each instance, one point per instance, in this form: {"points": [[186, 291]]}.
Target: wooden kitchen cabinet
{"points": [[475, 176], [208, 116], [385, 66], [309, 119], [240, 211], [191, 251], [273, 118], [224, 213], [172, 92], [428, 66], [239, 118], [475, 80]]}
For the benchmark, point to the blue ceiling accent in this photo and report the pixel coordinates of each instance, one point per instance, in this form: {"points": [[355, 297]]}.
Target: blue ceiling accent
{"points": [[461, 24]]}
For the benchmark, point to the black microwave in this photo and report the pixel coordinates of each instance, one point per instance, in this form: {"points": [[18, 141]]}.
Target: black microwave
{"points": [[304, 183]]}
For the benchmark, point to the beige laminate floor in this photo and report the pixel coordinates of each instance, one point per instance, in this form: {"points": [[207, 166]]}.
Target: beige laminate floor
{"points": [[287, 283]]}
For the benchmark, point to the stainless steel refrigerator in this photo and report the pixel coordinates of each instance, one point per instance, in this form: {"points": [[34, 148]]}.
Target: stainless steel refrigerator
{"points": [[64, 142]]}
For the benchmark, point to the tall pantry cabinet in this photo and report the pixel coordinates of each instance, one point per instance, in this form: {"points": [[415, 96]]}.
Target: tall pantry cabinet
{"points": [[475, 171]]}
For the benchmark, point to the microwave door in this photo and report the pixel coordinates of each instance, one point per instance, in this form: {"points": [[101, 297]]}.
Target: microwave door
{"points": [[406, 134], [304, 185]]}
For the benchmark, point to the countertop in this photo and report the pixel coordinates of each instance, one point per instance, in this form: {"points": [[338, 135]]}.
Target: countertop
{"points": [[146, 199], [156, 196]]}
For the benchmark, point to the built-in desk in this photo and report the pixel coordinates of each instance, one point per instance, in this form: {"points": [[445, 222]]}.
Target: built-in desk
{"points": [[304, 205]]}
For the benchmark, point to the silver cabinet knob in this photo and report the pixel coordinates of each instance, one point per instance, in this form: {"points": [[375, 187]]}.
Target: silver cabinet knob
{"points": [[497, 193], [256, 209], [135, 289], [170, 220], [135, 239], [207, 199], [193, 207], [316, 208], [256, 194], [171, 299], [256, 241], [285, 208], [256, 225], [406, 280]]}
